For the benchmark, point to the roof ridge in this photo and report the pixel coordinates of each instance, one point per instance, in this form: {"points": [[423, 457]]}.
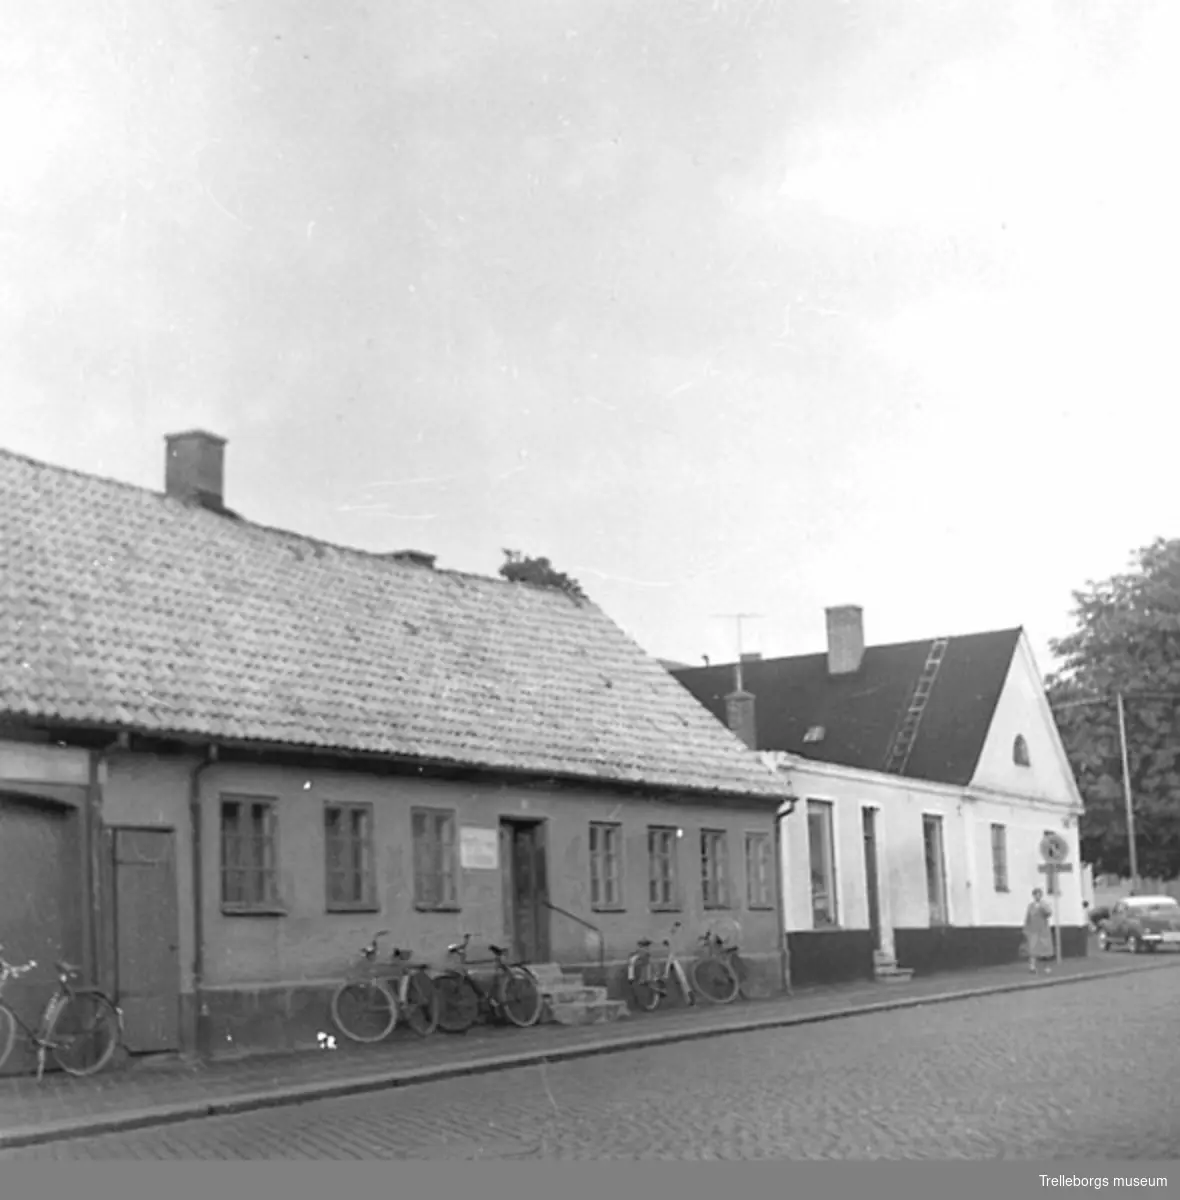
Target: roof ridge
{"points": [[927, 641], [276, 530]]}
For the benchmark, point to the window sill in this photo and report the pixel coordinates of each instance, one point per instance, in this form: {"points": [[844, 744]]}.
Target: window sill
{"points": [[760, 907], [1003, 891], [665, 908], [253, 910], [343, 907], [436, 908], [717, 907], [608, 908]]}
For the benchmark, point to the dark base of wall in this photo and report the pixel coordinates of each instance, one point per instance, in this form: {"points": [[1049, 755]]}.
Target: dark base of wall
{"points": [[763, 978], [952, 948], [247, 1021], [830, 956]]}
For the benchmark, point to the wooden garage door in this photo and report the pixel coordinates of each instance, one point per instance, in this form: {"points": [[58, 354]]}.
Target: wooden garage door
{"points": [[40, 900]]}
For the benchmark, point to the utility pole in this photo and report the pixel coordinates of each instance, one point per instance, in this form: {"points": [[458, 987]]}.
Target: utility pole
{"points": [[737, 619], [1127, 794]]}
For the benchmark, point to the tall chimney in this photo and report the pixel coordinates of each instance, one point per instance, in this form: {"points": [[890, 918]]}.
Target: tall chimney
{"points": [[194, 468], [739, 716], [739, 708], [846, 639]]}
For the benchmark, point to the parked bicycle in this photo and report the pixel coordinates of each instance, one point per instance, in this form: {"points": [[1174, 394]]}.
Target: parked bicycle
{"points": [[514, 993], [719, 974], [648, 979], [81, 1026], [367, 1006]]}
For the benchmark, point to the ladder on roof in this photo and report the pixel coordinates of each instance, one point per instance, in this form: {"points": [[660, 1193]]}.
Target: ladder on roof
{"points": [[907, 731]]}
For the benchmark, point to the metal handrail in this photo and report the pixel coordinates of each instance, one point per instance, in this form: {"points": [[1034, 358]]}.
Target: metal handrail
{"points": [[586, 924]]}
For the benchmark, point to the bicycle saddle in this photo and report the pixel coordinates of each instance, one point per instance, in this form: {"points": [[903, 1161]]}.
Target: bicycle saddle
{"points": [[455, 948], [66, 968], [496, 949], [644, 943]]}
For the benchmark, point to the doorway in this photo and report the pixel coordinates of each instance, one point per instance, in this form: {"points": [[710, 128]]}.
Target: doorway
{"points": [[872, 889], [147, 937], [42, 900], [525, 888]]}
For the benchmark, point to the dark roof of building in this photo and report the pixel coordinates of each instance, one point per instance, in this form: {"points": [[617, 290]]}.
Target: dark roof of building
{"points": [[124, 608], [860, 714]]}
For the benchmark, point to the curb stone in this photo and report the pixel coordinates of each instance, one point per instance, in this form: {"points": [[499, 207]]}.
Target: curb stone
{"points": [[243, 1102]]}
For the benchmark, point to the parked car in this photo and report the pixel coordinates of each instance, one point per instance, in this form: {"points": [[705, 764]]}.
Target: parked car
{"points": [[1142, 923]]}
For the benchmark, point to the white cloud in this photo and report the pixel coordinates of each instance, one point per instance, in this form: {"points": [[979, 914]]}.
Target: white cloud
{"points": [[1032, 135]]}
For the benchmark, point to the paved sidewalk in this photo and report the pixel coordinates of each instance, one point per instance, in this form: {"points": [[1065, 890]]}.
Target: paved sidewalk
{"points": [[139, 1096]]}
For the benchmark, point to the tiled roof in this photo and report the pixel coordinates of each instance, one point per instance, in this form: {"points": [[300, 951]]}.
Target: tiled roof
{"points": [[124, 608], [860, 713]]}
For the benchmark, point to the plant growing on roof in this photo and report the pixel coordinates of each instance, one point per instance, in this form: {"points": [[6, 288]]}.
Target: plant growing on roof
{"points": [[520, 568], [1127, 639]]}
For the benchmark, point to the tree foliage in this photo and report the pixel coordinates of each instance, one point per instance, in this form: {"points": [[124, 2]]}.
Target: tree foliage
{"points": [[1126, 639], [519, 568]]}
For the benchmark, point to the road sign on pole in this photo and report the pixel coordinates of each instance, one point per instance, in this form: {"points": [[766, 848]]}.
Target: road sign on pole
{"points": [[1054, 848], [1055, 851]]}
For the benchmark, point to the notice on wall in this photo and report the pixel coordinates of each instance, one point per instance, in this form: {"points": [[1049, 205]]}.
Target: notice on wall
{"points": [[479, 849]]}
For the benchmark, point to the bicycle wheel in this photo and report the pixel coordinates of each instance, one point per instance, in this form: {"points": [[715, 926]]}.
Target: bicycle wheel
{"points": [[364, 1010], [85, 1033], [458, 1002], [641, 981], [421, 1004], [748, 989], [7, 1034], [519, 996], [715, 980]]}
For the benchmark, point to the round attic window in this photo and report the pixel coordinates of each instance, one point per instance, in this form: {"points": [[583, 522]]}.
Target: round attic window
{"points": [[1020, 751]]}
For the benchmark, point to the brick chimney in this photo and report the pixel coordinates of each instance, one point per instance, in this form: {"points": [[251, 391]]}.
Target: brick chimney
{"points": [[739, 716], [846, 639], [194, 468], [739, 706]]}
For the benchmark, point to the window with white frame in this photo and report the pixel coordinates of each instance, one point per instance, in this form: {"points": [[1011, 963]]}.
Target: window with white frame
{"points": [[433, 835], [759, 871], [249, 854], [348, 855], [932, 840], [662, 853], [822, 848], [714, 868], [605, 874]]}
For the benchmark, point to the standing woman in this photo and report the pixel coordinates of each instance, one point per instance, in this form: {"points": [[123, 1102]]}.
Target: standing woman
{"points": [[1038, 933]]}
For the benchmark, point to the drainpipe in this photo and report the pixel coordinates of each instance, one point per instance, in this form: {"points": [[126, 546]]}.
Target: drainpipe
{"points": [[194, 809], [99, 901], [784, 952]]}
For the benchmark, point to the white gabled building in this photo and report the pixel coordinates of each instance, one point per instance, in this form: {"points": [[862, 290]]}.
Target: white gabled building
{"points": [[927, 774]]}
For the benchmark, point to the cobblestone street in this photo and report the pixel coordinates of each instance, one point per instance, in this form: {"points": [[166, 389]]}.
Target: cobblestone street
{"points": [[1086, 1071]]}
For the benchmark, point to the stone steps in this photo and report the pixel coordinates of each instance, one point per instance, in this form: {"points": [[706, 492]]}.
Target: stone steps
{"points": [[886, 970], [570, 1001]]}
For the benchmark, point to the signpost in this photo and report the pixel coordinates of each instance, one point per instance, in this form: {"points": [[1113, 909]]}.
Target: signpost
{"points": [[1055, 851]]}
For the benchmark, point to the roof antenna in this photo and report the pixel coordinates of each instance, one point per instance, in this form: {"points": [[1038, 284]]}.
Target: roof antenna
{"points": [[737, 619]]}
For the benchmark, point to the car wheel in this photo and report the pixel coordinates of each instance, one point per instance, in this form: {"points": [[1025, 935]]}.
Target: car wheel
{"points": [[1103, 940]]}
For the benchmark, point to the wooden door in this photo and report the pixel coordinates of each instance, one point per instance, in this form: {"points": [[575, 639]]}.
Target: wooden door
{"points": [[147, 951], [526, 889]]}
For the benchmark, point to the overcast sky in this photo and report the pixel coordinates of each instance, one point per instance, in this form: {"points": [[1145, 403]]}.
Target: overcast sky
{"points": [[723, 306]]}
